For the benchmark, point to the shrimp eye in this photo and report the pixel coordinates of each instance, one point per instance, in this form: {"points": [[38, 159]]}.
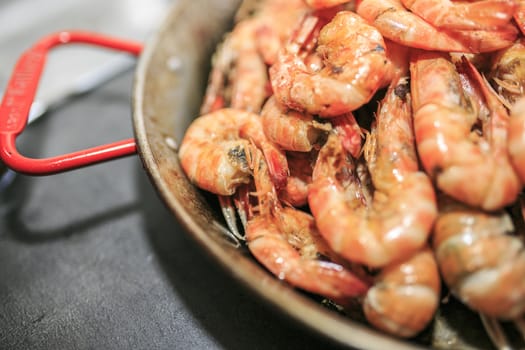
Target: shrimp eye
{"points": [[401, 91]]}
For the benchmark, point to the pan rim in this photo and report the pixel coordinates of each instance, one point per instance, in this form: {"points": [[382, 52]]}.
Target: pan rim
{"points": [[297, 308]]}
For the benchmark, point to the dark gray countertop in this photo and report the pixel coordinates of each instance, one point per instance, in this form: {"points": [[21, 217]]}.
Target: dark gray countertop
{"points": [[92, 259]]}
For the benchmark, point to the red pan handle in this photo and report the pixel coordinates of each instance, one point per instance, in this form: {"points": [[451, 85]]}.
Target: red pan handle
{"points": [[20, 93]]}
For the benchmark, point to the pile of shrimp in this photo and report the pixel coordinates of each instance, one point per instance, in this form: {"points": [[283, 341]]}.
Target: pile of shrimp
{"points": [[374, 151]]}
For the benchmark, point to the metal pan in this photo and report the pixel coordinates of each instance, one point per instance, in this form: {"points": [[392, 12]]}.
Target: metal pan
{"points": [[168, 88]]}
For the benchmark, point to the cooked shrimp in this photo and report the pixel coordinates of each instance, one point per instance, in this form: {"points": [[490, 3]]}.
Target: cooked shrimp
{"points": [[277, 19], [300, 134], [249, 88], [507, 74], [295, 193], [486, 40], [446, 14], [349, 132], [398, 55], [239, 77], [288, 245], [392, 227], [519, 16], [286, 242], [405, 295], [480, 258], [516, 141], [217, 147], [470, 168], [355, 67], [481, 61], [394, 22], [290, 129]]}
